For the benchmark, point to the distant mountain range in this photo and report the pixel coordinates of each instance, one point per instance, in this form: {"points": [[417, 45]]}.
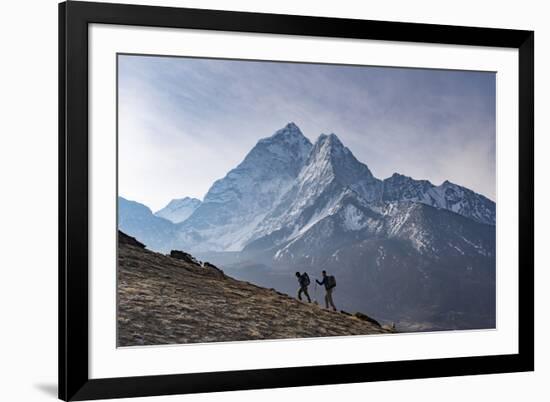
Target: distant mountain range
{"points": [[179, 210], [416, 253]]}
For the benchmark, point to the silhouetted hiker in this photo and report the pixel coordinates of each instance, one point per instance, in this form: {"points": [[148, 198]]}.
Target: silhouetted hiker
{"points": [[303, 280], [330, 284]]}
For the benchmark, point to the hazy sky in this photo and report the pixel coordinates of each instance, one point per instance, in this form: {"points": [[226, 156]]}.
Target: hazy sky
{"points": [[184, 123]]}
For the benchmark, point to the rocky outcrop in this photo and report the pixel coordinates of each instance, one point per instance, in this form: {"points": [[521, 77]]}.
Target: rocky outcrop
{"points": [[215, 269], [181, 255], [123, 238], [365, 317], [167, 300]]}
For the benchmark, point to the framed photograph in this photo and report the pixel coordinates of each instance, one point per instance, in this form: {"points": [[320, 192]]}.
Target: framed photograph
{"points": [[257, 200]]}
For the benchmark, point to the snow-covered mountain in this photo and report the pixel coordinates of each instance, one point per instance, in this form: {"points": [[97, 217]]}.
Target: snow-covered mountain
{"points": [[448, 196], [179, 210], [425, 254], [135, 218], [431, 232], [235, 204], [334, 186], [330, 174], [285, 185]]}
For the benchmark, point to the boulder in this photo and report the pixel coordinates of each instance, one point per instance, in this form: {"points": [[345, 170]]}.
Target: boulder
{"points": [[219, 273], [181, 255], [365, 317], [123, 238]]}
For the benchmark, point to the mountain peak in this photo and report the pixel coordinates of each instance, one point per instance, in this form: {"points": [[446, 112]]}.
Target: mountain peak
{"points": [[331, 150], [179, 209], [286, 143], [287, 149], [291, 126], [397, 176], [177, 201], [330, 161], [235, 203], [289, 132], [330, 139], [401, 179]]}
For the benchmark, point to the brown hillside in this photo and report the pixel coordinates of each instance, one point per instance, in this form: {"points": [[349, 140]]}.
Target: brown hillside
{"points": [[167, 300]]}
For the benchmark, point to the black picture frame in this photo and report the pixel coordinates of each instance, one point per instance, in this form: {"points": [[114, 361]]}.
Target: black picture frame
{"points": [[74, 18]]}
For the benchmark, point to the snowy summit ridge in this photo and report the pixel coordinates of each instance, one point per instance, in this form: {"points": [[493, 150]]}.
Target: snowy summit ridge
{"points": [[285, 186], [235, 204], [179, 210]]}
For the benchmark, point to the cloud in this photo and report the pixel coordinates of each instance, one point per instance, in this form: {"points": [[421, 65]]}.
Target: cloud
{"points": [[184, 122]]}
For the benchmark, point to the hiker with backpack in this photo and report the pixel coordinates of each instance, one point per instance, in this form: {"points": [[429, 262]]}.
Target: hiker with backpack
{"points": [[303, 280], [330, 283]]}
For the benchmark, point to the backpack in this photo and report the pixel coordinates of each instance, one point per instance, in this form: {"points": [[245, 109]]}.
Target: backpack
{"points": [[331, 282], [305, 279]]}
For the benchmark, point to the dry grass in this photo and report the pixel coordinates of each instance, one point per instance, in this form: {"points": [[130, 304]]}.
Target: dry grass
{"points": [[163, 300]]}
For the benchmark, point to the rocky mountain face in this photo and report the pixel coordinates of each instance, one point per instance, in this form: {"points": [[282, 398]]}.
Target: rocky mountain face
{"points": [[447, 196], [237, 203], [171, 300], [179, 210], [409, 251], [330, 174]]}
